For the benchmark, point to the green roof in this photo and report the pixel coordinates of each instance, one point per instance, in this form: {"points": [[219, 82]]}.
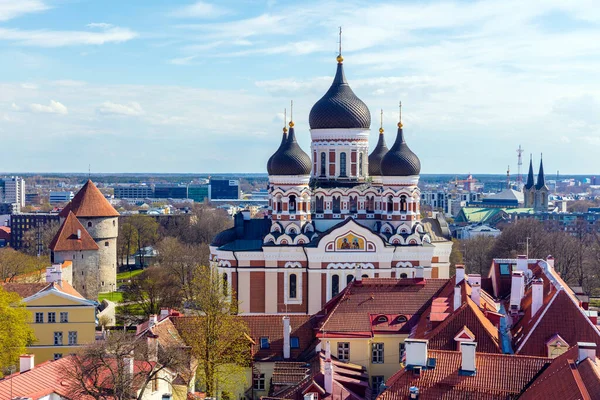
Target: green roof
{"points": [[476, 215]]}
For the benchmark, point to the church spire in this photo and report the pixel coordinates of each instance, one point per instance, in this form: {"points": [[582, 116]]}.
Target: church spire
{"points": [[530, 181], [541, 179]]}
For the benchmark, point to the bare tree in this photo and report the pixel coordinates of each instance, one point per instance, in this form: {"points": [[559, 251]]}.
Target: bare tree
{"points": [[14, 263], [154, 289], [477, 253], [36, 240]]}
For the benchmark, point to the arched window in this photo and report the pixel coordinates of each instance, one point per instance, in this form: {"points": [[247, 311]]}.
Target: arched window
{"points": [[293, 291], [403, 205], [403, 276], [364, 276], [342, 164], [225, 285], [349, 279], [319, 208], [89, 224], [336, 204], [401, 319], [370, 204], [323, 163], [382, 318], [360, 164], [353, 204], [390, 204], [335, 285], [292, 203]]}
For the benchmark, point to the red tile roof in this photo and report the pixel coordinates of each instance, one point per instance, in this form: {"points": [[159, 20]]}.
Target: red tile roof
{"points": [[566, 379], [25, 290], [362, 302], [89, 202], [42, 380], [67, 238], [497, 377]]}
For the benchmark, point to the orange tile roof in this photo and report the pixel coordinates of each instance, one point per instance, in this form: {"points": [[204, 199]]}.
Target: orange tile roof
{"points": [[362, 301], [25, 289], [89, 202], [42, 380], [66, 238], [497, 377]]}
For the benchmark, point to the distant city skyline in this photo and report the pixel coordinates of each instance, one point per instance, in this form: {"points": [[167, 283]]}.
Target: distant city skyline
{"points": [[187, 87]]}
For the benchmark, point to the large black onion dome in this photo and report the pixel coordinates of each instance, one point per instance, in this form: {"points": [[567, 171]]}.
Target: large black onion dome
{"points": [[283, 139], [290, 159], [339, 107], [377, 155], [400, 160]]}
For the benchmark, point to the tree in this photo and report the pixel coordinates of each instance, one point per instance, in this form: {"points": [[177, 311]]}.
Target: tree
{"points": [[477, 253], [154, 289], [37, 239], [127, 241], [14, 263], [218, 336], [147, 231], [99, 369], [15, 333], [523, 235], [456, 256]]}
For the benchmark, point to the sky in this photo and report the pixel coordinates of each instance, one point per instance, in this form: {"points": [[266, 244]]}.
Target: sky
{"points": [[200, 87]]}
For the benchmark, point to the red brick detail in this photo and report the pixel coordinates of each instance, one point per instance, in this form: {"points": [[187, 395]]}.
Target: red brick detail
{"points": [[331, 169], [353, 168], [332, 157], [257, 292], [323, 289], [234, 283], [257, 263], [435, 259], [353, 156], [434, 272]]}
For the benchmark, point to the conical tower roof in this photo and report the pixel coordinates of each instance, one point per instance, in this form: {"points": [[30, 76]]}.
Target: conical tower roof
{"points": [[377, 155], [530, 181], [89, 202], [541, 179], [72, 236]]}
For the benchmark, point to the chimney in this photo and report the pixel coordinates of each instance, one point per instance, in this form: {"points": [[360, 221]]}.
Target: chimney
{"points": [[550, 261], [467, 354], [474, 279], [418, 272], [460, 273], [517, 289], [413, 393], [152, 341], [586, 350], [164, 312], [286, 337], [476, 294], [246, 214], [416, 352], [358, 273], [328, 369], [522, 263], [537, 295], [152, 320], [457, 297], [78, 234], [26, 362]]}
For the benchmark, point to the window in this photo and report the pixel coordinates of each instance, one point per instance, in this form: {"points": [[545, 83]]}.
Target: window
{"points": [[360, 164], [349, 279], [382, 318], [89, 224], [259, 382], [73, 337], [344, 351], [105, 244], [57, 356], [39, 317], [337, 204], [370, 204], [401, 319], [292, 203], [401, 349], [335, 285], [390, 204], [353, 204], [293, 289], [403, 206], [264, 343], [294, 342], [403, 276], [377, 383], [64, 317], [377, 353], [323, 163], [319, 208], [58, 338], [51, 317], [342, 164]]}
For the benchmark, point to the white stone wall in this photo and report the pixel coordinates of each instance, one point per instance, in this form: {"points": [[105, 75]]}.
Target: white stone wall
{"points": [[86, 271]]}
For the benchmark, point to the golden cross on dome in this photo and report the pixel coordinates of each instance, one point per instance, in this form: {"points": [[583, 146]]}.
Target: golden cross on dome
{"points": [[340, 59], [400, 115], [381, 121], [285, 120], [291, 113]]}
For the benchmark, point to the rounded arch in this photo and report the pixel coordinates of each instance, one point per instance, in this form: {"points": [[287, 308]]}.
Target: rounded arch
{"points": [[404, 229], [293, 264], [397, 239], [387, 228], [276, 227], [269, 239], [292, 229], [284, 239], [413, 239], [301, 239]]}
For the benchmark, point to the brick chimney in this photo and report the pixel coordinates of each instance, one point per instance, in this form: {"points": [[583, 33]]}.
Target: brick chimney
{"points": [[286, 337], [26, 362], [586, 350], [416, 352], [457, 297], [152, 342], [476, 294], [517, 289], [328, 370], [467, 354], [537, 295], [460, 273]]}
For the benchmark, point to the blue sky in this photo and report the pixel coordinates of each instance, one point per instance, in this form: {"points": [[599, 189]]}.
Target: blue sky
{"points": [[184, 86]]}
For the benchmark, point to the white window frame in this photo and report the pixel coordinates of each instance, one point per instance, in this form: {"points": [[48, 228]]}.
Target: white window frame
{"points": [[39, 320], [296, 269], [72, 338], [56, 336], [64, 314], [259, 382], [53, 319], [377, 353], [344, 351]]}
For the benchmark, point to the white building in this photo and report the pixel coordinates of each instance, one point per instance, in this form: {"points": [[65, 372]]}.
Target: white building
{"points": [[12, 190], [60, 197]]}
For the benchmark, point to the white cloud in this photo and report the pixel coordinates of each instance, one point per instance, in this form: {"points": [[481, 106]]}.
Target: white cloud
{"points": [[100, 25], [182, 60], [200, 9], [55, 107], [110, 108], [47, 38], [10, 9]]}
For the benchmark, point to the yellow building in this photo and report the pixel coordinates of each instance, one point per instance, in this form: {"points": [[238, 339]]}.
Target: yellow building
{"points": [[62, 320]]}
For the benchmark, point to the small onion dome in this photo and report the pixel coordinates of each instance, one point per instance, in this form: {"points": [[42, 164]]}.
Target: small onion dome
{"points": [[290, 159], [340, 107], [400, 160], [377, 155], [283, 139], [224, 237]]}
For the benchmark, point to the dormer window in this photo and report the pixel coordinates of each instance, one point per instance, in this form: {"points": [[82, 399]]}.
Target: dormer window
{"points": [[382, 318], [294, 342], [401, 319], [264, 343]]}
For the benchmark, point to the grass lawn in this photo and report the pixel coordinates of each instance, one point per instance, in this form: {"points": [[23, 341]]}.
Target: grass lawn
{"points": [[115, 297], [126, 275]]}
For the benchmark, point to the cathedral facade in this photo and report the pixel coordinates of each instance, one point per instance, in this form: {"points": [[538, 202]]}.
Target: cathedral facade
{"points": [[336, 215]]}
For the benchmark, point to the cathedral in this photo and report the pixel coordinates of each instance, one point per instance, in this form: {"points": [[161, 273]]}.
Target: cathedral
{"points": [[535, 195], [335, 215]]}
